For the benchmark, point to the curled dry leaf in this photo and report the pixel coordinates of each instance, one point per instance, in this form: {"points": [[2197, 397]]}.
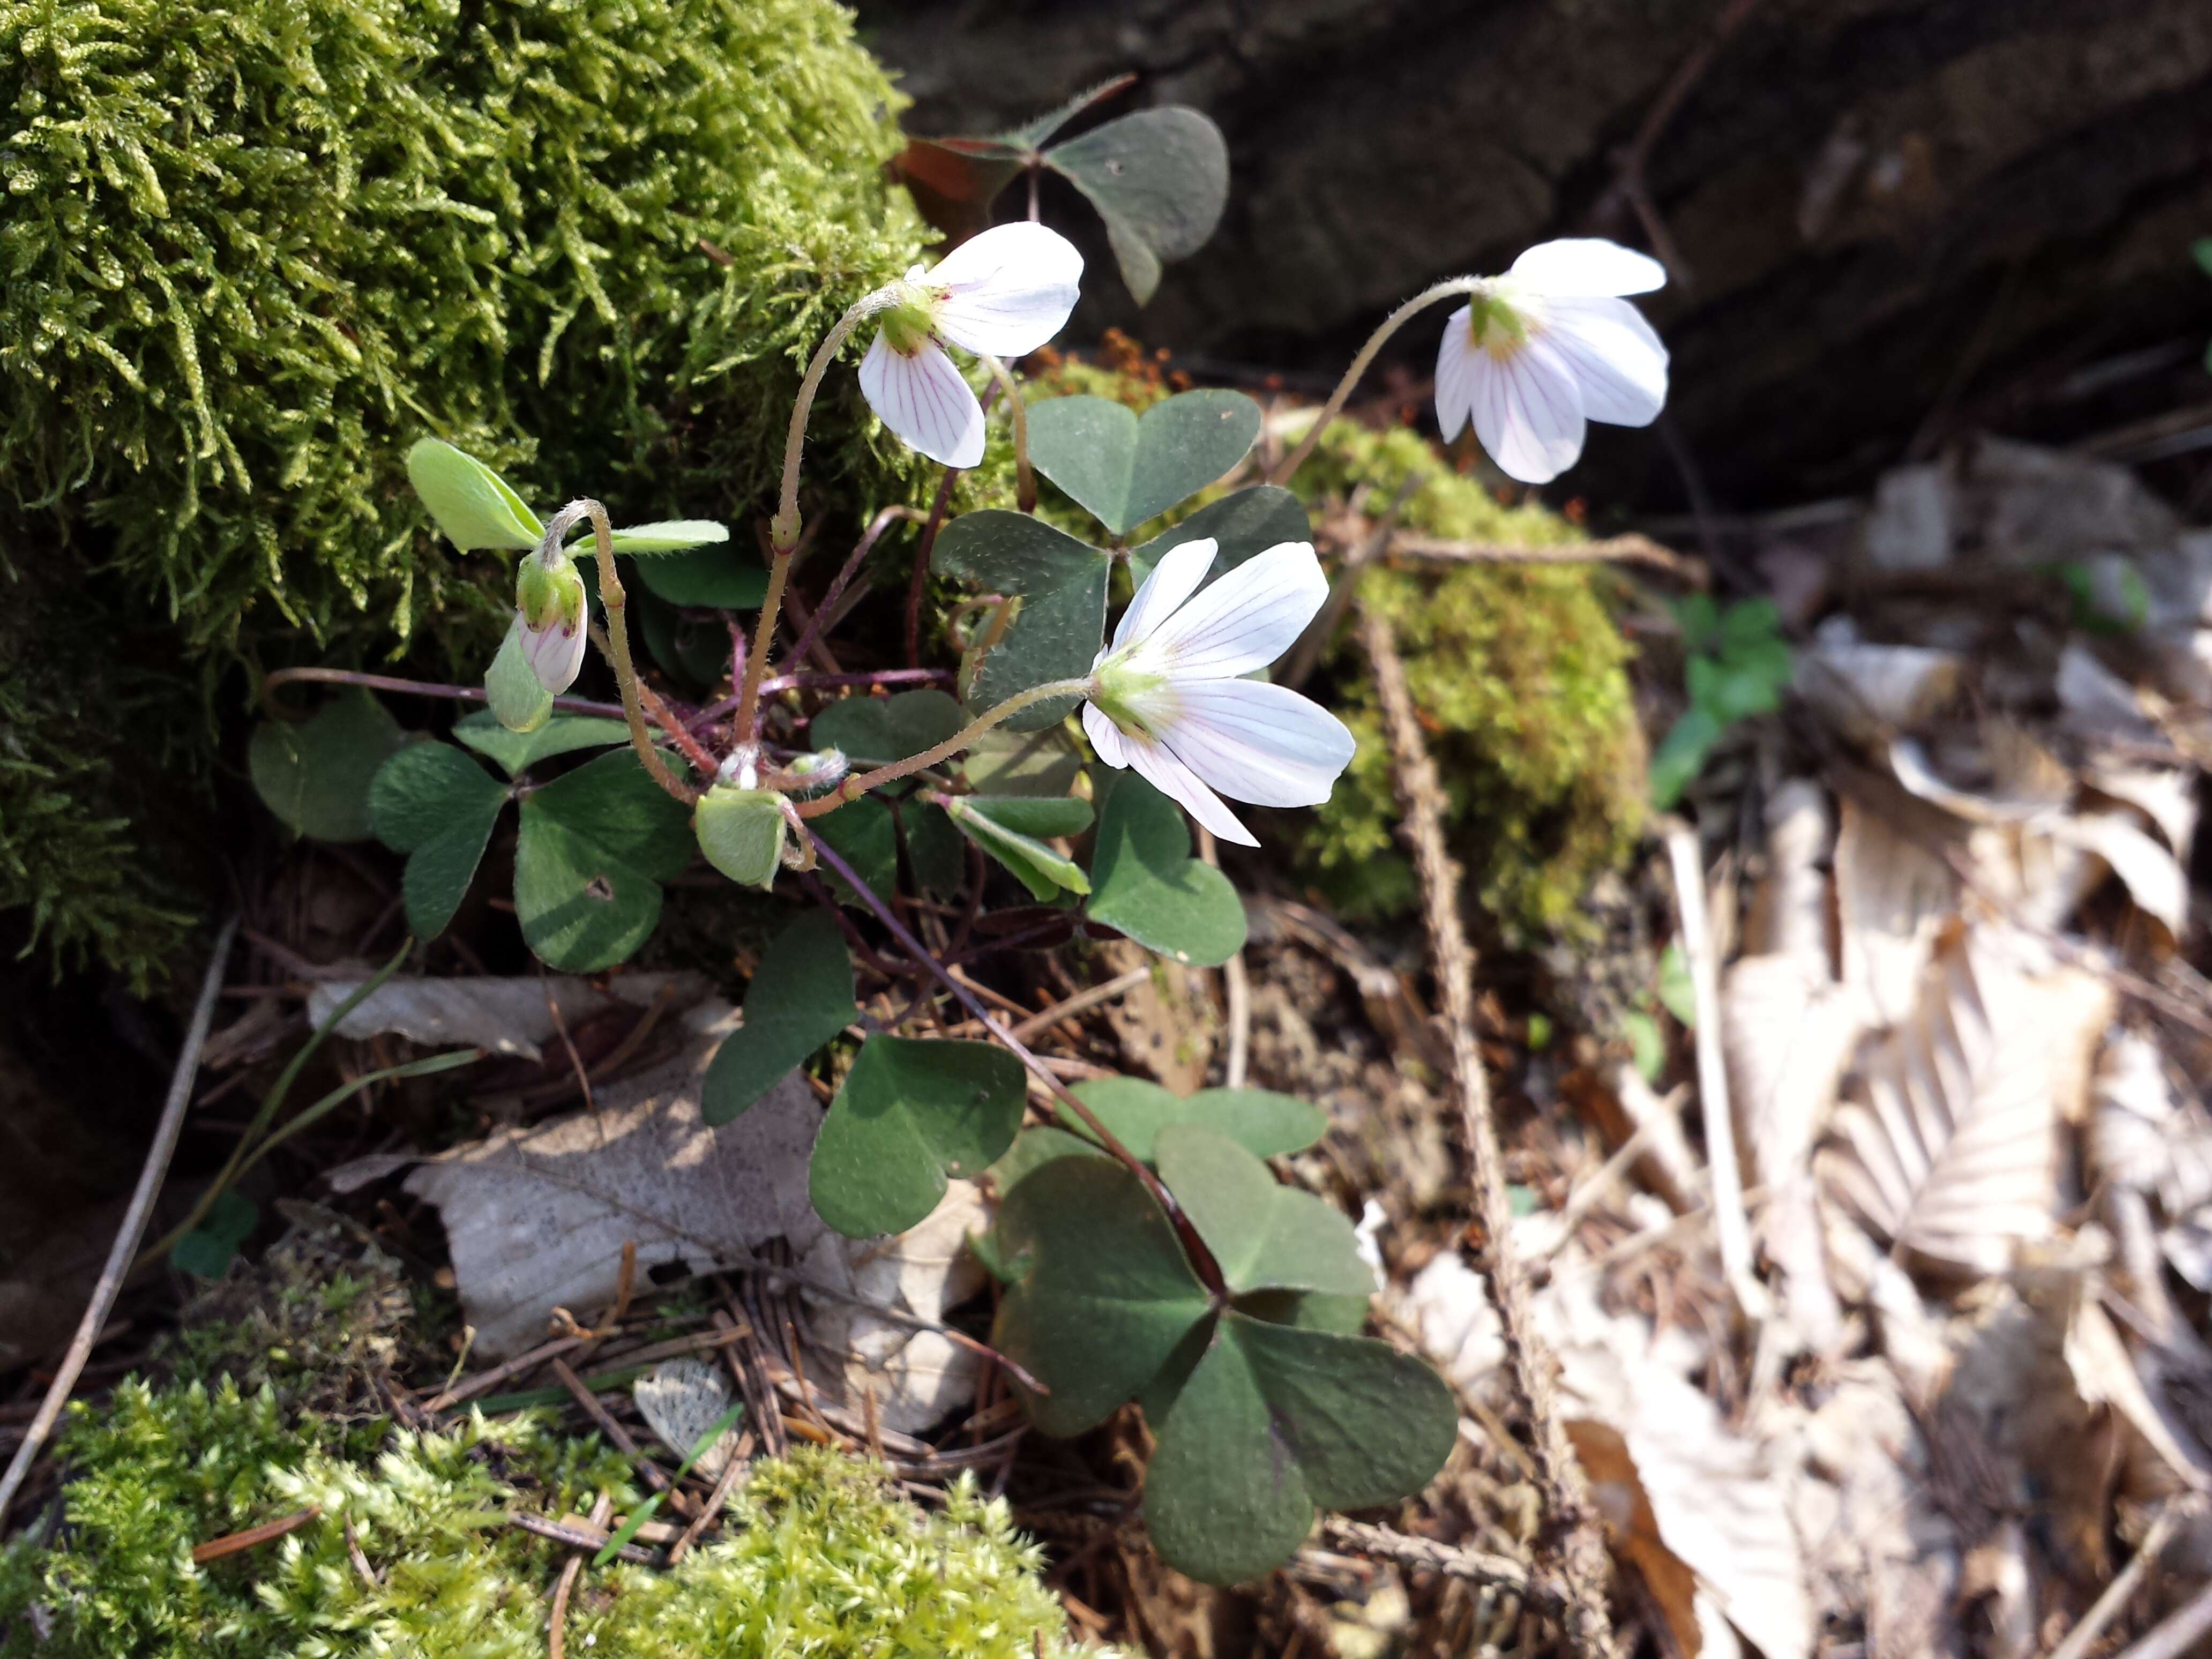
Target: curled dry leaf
{"points": [[1893, 897], [682, 1398], [1947, 1136], [917, 1376], [506, 1016], [1866, 691], [537, 1217]]}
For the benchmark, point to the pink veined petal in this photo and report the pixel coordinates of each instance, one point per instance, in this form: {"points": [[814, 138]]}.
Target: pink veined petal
{"points": [[1174, 580], [1105, 737], [1455, 374], [555, 653], [1157, 764], [924, 400], [1615, 356], [1529, 412], [1254, 741], [1579, 266], [1243, 620], [1006, 291]]}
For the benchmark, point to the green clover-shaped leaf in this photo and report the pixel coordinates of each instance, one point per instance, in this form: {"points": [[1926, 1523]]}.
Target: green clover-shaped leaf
{"points": [[1266, 1236], [875, 730], [516, 752], [865, 836], [208, 1250], [1004, 762], [595, 846], [1062, 583], [1249, 521], [706, 576], [1159, 177], [1262, 1122], [912, 1113], [1124, 468], [1144, 882], [1276, 1420], [437, 805], [315, 773], [801, 995]]}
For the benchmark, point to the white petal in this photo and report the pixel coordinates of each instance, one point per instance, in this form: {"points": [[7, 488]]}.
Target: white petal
{"points": [[1157, 764], [1174, 580], [1006, 291], [925, 401], [1529, 412], [1615, 356], [554, 654], [1254, 741], [1105, 737], [1455, 373], [1244, 619], [1588, 265]]}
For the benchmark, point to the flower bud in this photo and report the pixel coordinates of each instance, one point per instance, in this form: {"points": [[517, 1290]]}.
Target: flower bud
{"points": [[549, 600], [741, 832], [518, 702]]}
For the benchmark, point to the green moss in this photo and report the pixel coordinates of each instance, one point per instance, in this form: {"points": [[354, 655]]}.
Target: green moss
{"points": [[1520, 675], [820, 1557], [253, 248]]}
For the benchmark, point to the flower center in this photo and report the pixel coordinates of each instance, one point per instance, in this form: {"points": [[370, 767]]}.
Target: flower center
{"points": [[907, 322], [1124, 688], [1495, 323]]}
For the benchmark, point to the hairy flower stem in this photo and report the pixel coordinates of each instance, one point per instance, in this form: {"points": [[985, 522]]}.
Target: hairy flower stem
{"points": [[613, 603], [1065, 1102], [861, 782], [1449, 288], [392, 682], [1024, 484], [783, 529], [779, 573]]}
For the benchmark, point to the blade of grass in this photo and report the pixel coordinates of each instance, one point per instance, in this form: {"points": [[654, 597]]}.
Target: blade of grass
{"points": [[646, 1511]]}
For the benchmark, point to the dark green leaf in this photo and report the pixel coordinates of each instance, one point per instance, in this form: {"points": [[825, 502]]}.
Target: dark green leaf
{"points": [[801, 995], [912, 1113], [315, 773], [1009, 827], [1159, 177], [861, 832], [1276, 1419], [935, 851], [1104, 1294], [1062, 584], [596, 844], [1033, 1149], [1030, 134], [1124, 469], [1681, 755], [1266, 1236], [517, 751], [1004, 762], [1144, 882], [954, 181], [438, 806], [876, 731], [1310, 1310], [712, 577], [1249, 522], [210, 1248], [1264, 1124], [671, 536]]}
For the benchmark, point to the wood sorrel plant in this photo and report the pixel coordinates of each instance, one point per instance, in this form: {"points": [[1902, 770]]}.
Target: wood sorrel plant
{"points": [[1148, 1253]]}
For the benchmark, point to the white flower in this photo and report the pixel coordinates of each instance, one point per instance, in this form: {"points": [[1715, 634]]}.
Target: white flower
{"points": [[1541, 350], [555, 652], [550, 618], [1006, 292], [1169, 701]]}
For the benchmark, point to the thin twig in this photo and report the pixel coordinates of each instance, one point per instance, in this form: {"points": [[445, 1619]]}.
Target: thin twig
{"points": [[1081, 1002], [2107, 1607], [619, 1436], [579, 1538], [1235, 990], [733, 1474], [1427, 1555], [557, 1625], [1731, 1226], [134, 1218], [232, 1544], [561, 1030], [2179, 1632], [486, 1381], [1580, 1550], [1360, 553], [1611, 550]]}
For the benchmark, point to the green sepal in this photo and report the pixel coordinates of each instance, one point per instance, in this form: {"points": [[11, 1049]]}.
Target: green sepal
{"points": [[519, 700], [741, 832], [472, 504]]}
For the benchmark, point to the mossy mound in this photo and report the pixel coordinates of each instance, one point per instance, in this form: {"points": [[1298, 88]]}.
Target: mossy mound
{"points": [[819, 1556], [1520, 675], [254, 248]]}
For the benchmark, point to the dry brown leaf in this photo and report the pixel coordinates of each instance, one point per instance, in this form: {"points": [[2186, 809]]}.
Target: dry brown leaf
{"points": [[1633, 1529], [2152, 876], [1865, 691], [1893, 898], [2105, 1375], [508, 1015], [1789, 913], [537, 1218], [917, 1376], [1948, 1134]]}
